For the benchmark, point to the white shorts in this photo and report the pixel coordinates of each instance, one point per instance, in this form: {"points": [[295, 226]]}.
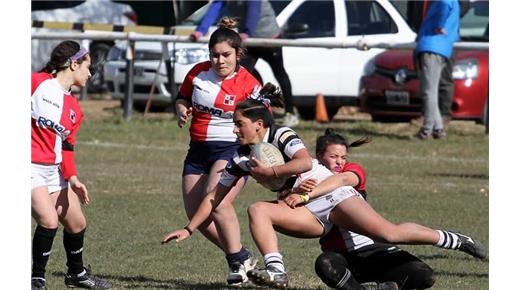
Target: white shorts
{"points": [[47, 175], [323, 205]]}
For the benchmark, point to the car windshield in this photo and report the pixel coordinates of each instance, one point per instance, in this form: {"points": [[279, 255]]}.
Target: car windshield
{"points": [[474, 25]]}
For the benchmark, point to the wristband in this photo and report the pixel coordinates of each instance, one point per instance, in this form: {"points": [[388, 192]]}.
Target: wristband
{"points": [[304, 197], [189, 230]]}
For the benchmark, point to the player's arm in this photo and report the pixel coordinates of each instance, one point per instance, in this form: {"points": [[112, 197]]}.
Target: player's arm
{"points": [[333, 182], [302, 194], [301, 162]]}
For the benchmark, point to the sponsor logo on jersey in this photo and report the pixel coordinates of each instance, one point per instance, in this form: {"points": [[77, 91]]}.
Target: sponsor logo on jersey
{"points": [[72, 116], [229, 100], [295, 142], [200, 89], [59, 128], [212, 111], [51, 102]]}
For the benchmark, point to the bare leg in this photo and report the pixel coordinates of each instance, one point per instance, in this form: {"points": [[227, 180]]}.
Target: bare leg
{"points": [[193, 188], [224, 216], [265, 217], [357, 215]]}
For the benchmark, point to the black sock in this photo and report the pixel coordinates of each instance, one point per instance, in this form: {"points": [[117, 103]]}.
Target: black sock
{"points": [[240, 256], [73, 244], [332, 269], [41, 249]]}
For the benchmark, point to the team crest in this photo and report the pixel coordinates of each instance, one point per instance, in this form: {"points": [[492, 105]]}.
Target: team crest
{"points": [[72, 116], [229, 100]]}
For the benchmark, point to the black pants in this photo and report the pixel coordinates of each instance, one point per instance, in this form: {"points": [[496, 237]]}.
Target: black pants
{"points": [[273, 56], [381, 263]]}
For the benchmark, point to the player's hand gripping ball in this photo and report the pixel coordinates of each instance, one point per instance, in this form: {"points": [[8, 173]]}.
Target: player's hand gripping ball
{"points": [[270, 156]]}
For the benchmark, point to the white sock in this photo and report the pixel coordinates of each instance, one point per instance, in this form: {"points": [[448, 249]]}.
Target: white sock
{"points": [[447, 240], [274, 260]]}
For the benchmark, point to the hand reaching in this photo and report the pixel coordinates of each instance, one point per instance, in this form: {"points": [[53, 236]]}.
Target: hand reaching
{"points": [[178, 235]]}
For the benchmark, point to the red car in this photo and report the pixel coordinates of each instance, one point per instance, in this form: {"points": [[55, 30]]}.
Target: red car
{"points": [[391, 91]]}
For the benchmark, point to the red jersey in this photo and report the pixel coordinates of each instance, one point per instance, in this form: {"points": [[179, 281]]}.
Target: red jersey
{"points": [[338, 239], [213, 100], [55, 119]]}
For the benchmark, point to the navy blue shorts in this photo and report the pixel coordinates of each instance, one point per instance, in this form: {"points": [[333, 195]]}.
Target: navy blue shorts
{"points": [[202, 155]]}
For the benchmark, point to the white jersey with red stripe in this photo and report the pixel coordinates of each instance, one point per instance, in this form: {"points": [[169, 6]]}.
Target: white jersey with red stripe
{"points": [[214, 99], [55, 119]]}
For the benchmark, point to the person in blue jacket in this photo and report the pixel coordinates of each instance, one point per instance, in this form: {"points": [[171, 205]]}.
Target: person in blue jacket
{"points": [[256, 19], [438, 32]]}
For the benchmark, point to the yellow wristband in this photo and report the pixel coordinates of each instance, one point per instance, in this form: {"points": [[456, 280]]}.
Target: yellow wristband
{"points": [[304, 197]]}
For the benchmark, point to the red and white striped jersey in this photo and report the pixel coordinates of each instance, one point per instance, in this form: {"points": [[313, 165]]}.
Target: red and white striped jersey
{"points": [[339, 239], [55, 119], [213, 101]]}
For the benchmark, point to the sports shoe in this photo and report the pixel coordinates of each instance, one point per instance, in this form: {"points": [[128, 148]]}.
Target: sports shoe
{"points": [[389, 285], [86, 281], [290, 120], [422, 135], [470, 246], [238, 271], [270, 276], [38, 284], [439, 134]]}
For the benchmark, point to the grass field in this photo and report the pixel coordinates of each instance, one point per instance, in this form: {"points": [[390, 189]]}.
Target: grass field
{"points": [[133, 172]]}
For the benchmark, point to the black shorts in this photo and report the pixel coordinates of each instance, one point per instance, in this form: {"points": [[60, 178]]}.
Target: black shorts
{"points": [[382, 262], [202, 155]]}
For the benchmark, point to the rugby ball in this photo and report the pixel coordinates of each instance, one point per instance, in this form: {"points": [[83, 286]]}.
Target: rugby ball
{"points": [[270, 156]]}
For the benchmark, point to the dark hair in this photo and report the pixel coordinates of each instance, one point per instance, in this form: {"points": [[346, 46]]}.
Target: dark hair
{"points": [[225, 32], [258, 106], [330, 137], [60, 56]]}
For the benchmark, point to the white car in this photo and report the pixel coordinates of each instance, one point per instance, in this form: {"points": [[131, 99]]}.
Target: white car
{"points": [[90, 11], [335, 73]]}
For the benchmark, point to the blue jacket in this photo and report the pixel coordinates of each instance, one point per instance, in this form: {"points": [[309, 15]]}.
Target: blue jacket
{"points": [[441, 14], [256, 17]]}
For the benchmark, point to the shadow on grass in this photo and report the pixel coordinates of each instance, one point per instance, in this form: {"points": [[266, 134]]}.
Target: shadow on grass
{"points": [[462, 274], [373, 132], [142, 282], [461, 175]]}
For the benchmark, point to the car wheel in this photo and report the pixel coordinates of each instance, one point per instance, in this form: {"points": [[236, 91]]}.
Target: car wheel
{"points": [[306, 113], [485, 115], [98, 53], [332, 111]]}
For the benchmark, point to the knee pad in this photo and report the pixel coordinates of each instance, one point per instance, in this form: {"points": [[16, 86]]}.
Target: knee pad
{"points": [[331, 268]]}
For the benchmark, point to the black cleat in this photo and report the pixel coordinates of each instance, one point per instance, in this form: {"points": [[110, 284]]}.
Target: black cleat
{"points": [[38, 284], [270, 276], [389, 285], [86, 280], [470, 246]]}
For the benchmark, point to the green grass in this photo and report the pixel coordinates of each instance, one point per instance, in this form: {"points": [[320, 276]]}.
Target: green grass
{"points": [[133, 172]]}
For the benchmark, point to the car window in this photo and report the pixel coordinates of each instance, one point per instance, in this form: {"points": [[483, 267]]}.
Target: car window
{"points": [[474, 25], [368, 17], [311, 19], [279, 5]]}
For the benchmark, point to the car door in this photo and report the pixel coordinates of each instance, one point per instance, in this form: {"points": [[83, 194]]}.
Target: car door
{"points": [[375, 21], [311, 70]]}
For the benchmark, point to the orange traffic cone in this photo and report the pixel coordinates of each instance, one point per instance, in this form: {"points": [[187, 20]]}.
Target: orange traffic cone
{"points": [[321, 109]]}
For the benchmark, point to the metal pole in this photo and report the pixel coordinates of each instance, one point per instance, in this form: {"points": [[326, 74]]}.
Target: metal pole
{"points": [[83, 94], [170, 70], [129, 80]]}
